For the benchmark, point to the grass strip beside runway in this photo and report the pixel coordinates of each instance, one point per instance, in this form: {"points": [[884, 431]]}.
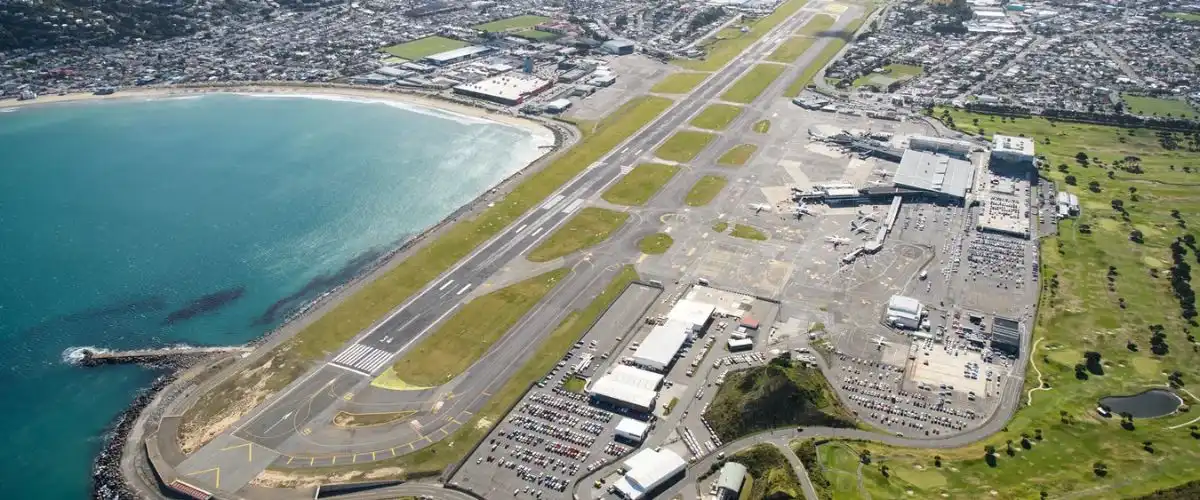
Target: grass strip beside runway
{"points": [[453, 448], [747, 232], [828, 53], [679, 83], [705, 190], [791, 49], [640, 184], [753, 83], [716, 116], [684, 146], [723, 50], [586, 229], [331, 331], [471, 331], [737, 155]]}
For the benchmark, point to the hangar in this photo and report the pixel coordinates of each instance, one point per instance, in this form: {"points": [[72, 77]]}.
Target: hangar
{"points": [[647, 471], [628, 386], [659, 347]]}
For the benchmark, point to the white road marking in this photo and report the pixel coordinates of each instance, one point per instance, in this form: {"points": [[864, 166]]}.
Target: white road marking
{"points": [[444, 285], [280, 421], [362, 359], [519, 229], [573, 207], [463, 289], [351, 370], [552, 201], [536, 231]]}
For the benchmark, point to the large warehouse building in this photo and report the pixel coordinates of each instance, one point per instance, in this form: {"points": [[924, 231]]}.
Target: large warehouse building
{"points": [[457, 55], [905, 312], [935, 173], [692, 313], [648, 471], [510, 88], [660, 346], [628, 386], [940, 145], [1012, 150]]}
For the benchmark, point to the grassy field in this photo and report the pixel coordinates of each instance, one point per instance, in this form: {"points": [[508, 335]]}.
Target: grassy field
{"points": [[716, 116], [753, 83], [776, 395], [586, 229], [657, 243], [536, 35], [737, 155], [512, 23], [762, 126], [747, 232], [424, 47], [452, 448], [1158, 106], [817, 25], [575, 384], [290, 360], [772, 475], [831, 49], [720, 52], [892, 72], [705, 190], [1185, 16], [1079, 313], [684, 146], [640, 184], [791, 49], [679, 83], [471, 331], [720, 226]]}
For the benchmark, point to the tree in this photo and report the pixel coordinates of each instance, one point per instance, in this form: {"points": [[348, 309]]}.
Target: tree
{"points": [[1081, 157], [1136, 236], [1070, 180], [1094, 186], [1093, 362], [1148, 446], [1100, 469], [937, 460], [884, 470], [1081, 371]]}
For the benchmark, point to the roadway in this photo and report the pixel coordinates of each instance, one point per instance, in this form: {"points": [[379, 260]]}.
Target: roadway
{"points": [[297, 418]]}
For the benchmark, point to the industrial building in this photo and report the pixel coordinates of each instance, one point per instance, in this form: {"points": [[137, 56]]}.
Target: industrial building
{"points": [[659, 348], [509, 89], [647, 471], [558, 105], [695, 314], [617, 47], [1068, 204], [935, 173], [1007, 149], [632, 430], [629, 387], [961, 149], [905, 312], [730, 481], [1006, 336], [457, 55], [742, 344]]}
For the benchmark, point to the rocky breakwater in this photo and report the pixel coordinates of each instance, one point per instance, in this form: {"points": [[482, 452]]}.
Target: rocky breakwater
{"points": [[107, 480]]}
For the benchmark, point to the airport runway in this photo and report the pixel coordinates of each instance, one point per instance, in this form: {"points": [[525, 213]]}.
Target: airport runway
{"points": [[297, 418]]}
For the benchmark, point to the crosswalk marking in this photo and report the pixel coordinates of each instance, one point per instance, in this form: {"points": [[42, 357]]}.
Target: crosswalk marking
{"points": [[364, 358]]}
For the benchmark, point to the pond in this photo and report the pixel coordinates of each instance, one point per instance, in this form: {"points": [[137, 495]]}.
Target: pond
{"points": [[1148, 404]]}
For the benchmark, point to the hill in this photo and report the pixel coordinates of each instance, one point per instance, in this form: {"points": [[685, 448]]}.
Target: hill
{"points": [[779, 394]]}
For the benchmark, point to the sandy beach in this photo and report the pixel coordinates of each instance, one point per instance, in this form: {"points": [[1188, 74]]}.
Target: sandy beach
{"points": [[343, 91]]}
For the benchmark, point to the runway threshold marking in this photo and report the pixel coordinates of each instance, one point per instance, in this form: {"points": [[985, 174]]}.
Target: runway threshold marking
{"points": [[217, 480], [444, 285], [464, 289]]}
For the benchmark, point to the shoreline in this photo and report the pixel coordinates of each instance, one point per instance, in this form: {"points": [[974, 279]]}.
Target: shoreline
{"points": [[127, 435], [424, 102]]}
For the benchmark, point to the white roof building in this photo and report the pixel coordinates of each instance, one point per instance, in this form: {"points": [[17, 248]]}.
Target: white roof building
{"points": [[658, 349], [1012, 149], [691, 312], [631, 429], [508, 88], [628, 386], [905, 311], [936, 173], [647, 470]]}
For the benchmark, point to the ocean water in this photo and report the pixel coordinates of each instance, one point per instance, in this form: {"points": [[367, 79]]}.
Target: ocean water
{"points": [[118, 217]]}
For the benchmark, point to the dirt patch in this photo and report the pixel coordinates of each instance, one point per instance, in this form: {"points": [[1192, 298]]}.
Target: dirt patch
{"points": [[483, 423], [350, 420], [198, 428]]}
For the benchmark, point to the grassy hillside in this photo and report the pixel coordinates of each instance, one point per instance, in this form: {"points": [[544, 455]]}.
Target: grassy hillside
{"points": [[776, 395], [774, 477]]}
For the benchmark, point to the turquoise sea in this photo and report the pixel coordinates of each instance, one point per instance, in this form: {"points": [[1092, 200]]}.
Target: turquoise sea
{"points": [[116, 217]]}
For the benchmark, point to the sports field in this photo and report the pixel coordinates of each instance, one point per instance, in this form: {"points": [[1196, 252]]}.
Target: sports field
{"points": [[1159, 106], [424, 47], [512, 23], [1055, 444]]}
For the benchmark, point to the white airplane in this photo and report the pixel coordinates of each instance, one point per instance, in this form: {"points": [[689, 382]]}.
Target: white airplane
{"points": [[858, 228], [871, 216], [802, 209], [880, 342], [882, 173], [837, 240], [760, 207]]}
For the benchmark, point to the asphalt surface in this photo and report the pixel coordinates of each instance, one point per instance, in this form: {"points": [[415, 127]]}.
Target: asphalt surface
{"points": [[294, 425]]}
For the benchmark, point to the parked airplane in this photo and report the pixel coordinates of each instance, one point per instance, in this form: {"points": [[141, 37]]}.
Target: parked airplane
{"points": [[858, 228], [880, 342], [760, 207], [837, 240], [873, 215], [882, 173], [802, 209]]}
